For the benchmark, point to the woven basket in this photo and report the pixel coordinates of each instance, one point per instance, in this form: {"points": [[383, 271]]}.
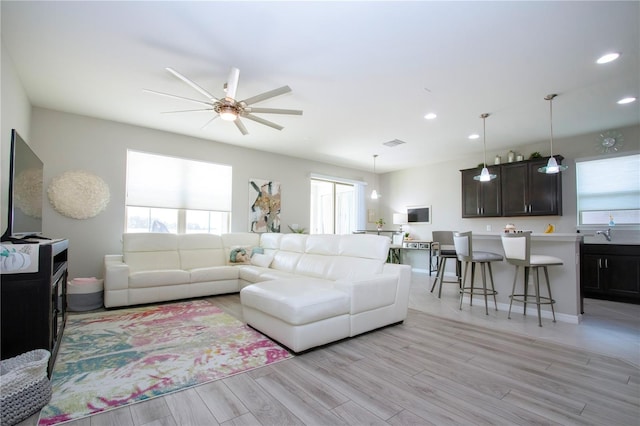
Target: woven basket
{"points": [[25, 386]]}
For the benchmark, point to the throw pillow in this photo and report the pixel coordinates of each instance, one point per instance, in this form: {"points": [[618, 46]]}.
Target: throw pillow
{"points": [[262, 260], [238, 255]]}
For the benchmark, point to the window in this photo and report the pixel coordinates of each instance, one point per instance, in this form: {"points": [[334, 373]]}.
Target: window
{"points": [[170, 194], [608, 190], [337, 206]]}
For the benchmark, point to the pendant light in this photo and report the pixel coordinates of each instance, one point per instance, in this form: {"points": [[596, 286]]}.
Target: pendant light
{"points": [[552, 165], [484, 175], [374, 193]]}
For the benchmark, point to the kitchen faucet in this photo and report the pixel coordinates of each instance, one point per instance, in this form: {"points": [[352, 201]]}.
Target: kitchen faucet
{"points": [[606, 234]]}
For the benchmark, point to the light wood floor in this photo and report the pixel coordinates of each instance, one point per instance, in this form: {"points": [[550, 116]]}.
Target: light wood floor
{"points": [[429, 370]]}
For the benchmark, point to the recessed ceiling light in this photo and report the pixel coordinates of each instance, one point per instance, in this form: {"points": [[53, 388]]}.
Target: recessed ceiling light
{"points": [[609, 57], [430, 116], [474, 136], [626, 100]]}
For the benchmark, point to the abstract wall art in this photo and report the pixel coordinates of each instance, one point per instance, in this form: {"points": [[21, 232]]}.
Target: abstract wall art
{"points": [[264, 205]]}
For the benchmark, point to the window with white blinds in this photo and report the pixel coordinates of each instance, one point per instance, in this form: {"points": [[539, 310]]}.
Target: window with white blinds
{"points": [[608, 190], [178, 195]]}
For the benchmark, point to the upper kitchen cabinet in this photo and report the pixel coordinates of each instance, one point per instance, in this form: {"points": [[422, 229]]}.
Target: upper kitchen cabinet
{"points": [[481, 199], [527, 192]]}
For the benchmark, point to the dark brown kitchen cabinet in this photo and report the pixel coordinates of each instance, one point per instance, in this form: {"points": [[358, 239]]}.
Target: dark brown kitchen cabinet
{"points": [[481, 199], [527, 192], [611, 272]]}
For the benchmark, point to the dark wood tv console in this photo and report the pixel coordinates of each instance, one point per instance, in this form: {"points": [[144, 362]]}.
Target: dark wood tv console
{"points": [[34, 305]]}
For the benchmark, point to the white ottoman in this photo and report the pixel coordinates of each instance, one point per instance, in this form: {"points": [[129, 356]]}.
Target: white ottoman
{"points": [[299, 313]]}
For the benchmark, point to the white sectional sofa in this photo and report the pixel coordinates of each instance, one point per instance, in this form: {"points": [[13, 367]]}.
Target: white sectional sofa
{"points": [[301, 290]]}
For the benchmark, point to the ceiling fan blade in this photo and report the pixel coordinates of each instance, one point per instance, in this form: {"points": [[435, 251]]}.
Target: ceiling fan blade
{"points": [[187, 110], [266, 95], [275, 111], [177, 97], [192, 84], [240, 125], [209, 122], [232, 83], [263, 121]]}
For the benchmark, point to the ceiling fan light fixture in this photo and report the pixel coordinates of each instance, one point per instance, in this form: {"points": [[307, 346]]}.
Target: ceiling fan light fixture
{"points": [[228, 113], [552, 166]]}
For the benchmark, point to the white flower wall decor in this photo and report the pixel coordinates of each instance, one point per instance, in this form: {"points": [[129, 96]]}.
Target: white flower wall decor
{"points": [[78, 194]]}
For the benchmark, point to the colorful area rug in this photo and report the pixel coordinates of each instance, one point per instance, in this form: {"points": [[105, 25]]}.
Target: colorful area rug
{"points": [[115, 358]]}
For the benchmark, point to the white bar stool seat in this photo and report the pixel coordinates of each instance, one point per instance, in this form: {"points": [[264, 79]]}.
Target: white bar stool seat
{"points": [[517, 251], [463, 243]]}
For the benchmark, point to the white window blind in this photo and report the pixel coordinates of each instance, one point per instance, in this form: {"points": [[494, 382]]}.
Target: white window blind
{"points": [[608, 189], [179, 183]]}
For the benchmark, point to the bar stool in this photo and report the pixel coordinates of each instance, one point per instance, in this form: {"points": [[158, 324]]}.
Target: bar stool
{"points": [[464, 250], [446, 250], [517, 250]]}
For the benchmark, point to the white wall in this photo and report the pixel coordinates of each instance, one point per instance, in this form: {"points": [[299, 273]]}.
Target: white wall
{"points": [[71, 142], [16, 114]]}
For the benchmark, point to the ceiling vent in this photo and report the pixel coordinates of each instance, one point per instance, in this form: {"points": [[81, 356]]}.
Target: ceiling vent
{"points": [[393, 143]]}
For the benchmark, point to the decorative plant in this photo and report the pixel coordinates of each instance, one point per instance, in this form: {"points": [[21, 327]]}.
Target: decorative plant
{"points": [[406, 235], [380, 223], [535, 155], [297, 230]]}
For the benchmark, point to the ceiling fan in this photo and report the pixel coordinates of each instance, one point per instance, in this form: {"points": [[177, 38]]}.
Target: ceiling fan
{"points": [[228, 108]]}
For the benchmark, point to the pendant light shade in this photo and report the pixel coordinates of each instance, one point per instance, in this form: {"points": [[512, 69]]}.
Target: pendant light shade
{"points": [[484, 175], [374, 193], [552, 165]]}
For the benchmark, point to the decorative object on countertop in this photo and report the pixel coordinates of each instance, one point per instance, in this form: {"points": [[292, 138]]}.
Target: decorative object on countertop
{"points": [[78, 194], [552, 166], [519, 157], [535, 155], [380, 223], [25, 385], [510, 156], [497, 160], [550, 229]]}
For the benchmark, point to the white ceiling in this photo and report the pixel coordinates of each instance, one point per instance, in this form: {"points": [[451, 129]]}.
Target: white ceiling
{"points": [[364, 73]]}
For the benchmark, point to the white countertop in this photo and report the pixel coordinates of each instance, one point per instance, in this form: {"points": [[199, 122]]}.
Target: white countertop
{"points": [[537, 236]]}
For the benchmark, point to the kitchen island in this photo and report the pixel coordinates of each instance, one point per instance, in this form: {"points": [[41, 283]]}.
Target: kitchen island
{"points": [[565, 279]]}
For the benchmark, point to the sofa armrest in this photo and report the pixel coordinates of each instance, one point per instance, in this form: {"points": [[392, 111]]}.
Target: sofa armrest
{"points": [[370, 292], [116, 273]]}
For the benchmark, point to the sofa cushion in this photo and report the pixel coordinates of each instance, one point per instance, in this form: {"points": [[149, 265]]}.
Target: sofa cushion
{"points": [[313, 265], [323, 244], [158, 278], [200, 250], [296, 301], [285, 260], [150, 251], [214, 273], [293, 242], [270, 240]]}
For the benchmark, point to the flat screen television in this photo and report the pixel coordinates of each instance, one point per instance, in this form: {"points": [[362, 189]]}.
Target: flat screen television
{"points": [[25, 191], [419, 214]]}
